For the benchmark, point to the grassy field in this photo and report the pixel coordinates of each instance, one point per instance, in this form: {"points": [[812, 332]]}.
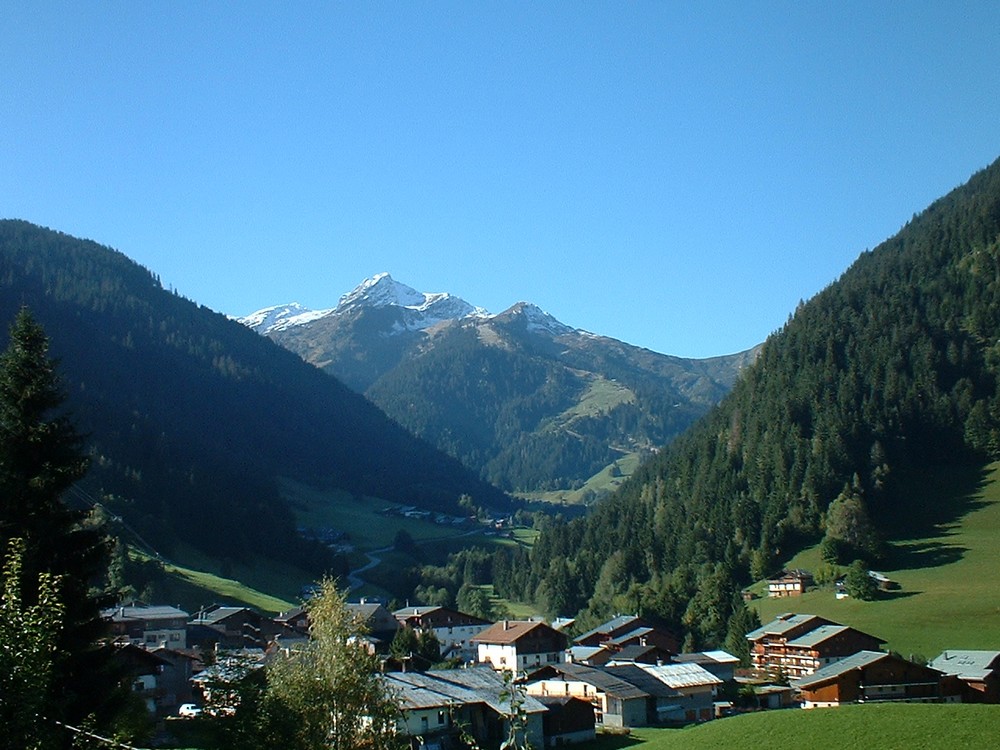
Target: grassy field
{"points": [[872, 727], [606, 480], [360, 518], [947, 568]]}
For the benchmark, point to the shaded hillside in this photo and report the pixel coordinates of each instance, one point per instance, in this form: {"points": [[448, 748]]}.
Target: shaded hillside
{"points": [[894, 366], [545, 408], [191, 416], [528, 402]]}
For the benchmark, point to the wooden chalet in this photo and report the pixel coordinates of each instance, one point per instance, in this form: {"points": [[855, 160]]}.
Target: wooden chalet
{"points": [[873, 677], [789, 583]]}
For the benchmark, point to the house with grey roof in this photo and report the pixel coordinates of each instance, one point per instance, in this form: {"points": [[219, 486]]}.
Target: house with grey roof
{"points": [[978, 671], [454, 630], [616, 702], [147, 626], [799, 644], [439, 705], [629, 630], [873, 677], [680, 693]]}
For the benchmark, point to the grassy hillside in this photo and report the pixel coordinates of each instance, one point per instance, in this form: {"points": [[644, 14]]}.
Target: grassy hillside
{"points": [[950, 595], [874, 727]]}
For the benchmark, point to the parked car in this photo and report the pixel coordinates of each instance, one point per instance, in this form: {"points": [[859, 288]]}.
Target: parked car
{"points": [[189, 710]]}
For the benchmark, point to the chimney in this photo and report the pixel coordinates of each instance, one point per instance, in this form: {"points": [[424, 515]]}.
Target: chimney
{"points": [[506, 624]]}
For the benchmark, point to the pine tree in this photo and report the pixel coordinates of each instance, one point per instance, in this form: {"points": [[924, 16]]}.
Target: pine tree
{"points": [[41, 457]]}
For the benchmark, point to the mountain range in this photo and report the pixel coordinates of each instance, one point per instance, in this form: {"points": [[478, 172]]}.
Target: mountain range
{"points": [[530, 403], [191, 420]]}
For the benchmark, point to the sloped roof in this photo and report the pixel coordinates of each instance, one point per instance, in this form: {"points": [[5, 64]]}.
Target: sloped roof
{"points": [[455, 687], [786, 622], [706, 657], [968, 665], [137, 612], [645, 681], [681, 675], [630, 634], [825, 632], [511, 631], [832, 671], [608, 627], [605, 681]]}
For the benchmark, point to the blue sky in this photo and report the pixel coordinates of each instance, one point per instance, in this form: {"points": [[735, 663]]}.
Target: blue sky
{"points": [[677, 175]]}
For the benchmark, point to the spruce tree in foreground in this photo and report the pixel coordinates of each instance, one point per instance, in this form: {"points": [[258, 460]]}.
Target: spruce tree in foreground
{"points": [[41, 457]]}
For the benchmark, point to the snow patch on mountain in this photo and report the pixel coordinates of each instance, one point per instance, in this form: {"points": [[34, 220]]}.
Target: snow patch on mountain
{"points": [[539, 321], [280, 317]]}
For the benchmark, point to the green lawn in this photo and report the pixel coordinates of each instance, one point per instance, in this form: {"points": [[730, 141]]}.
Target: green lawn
{"points": [[872, 727], [360, 518], [949, 572]]}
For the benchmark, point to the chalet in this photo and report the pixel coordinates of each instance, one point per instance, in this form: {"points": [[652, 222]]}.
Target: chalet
{"points": [[870, 677], [977, 671], [640, 655], [149, 627], [789, 583], [376, 620], [231, 628], [439, 705], [679, 693], [616, 702], [454, 630], [592, 656], [629, 630], [520, 646], [824, 645], [767, 643]]}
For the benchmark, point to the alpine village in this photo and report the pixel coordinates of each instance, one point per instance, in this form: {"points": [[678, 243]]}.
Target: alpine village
{"points": [[404, 522]]}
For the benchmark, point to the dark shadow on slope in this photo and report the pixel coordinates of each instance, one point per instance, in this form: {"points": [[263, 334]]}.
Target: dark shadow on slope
{"points": [[929, 504]]}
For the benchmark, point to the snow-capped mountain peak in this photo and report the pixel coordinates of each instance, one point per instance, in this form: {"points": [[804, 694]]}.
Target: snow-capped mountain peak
{"points": [[280, 317], [381, 290], [420, 310], [537, 320]]}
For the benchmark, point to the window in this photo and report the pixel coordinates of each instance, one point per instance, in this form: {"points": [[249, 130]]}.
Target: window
{"points": [[440, 718]]}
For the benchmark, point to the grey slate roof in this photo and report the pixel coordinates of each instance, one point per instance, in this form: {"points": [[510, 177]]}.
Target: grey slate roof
{"points": [[450, 687], [681, 675], [155, 612], [968, 665], [644, 680], [604, 681], [783, 623], [823, 632], [706, 657], [608, 627], [838, 668]]}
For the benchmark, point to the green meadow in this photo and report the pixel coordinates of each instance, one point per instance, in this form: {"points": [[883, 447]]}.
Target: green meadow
{"points": [[906, 726], [944, 555]]}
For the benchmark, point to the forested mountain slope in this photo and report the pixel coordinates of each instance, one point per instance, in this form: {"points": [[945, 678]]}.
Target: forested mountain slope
{"points": [[530, 403], [191, 417], [893, 366]]}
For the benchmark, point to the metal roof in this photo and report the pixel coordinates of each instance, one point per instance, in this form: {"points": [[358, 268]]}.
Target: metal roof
{"points": [[968, 665], [681, 675], [606, 682], [824, 632], [706, 657], [783, 623], [831, 671], [608, 627]]}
